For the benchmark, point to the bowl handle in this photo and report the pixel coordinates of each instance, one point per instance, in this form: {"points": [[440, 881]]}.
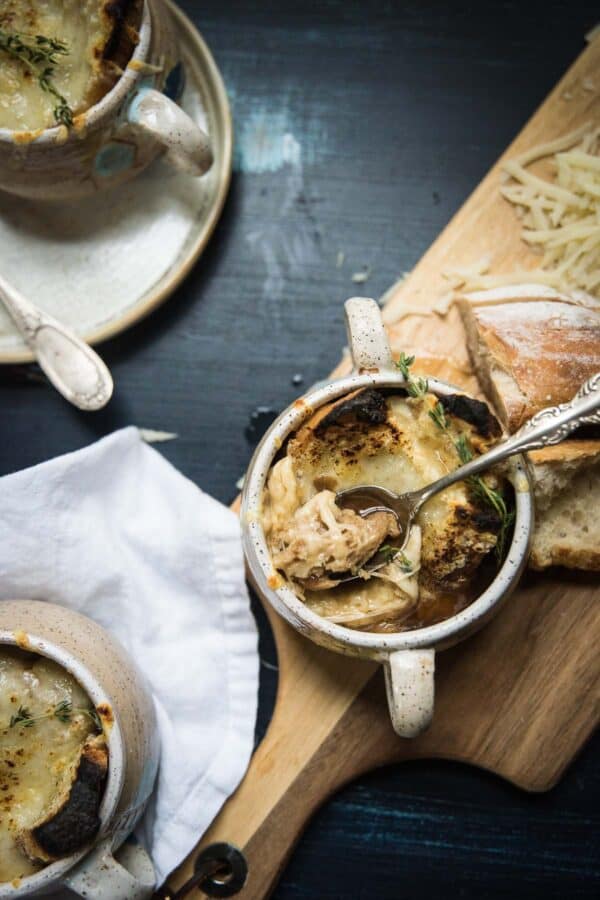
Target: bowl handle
{"points": [[100, 877], [187, 148], [410, 690], [368, 341]]}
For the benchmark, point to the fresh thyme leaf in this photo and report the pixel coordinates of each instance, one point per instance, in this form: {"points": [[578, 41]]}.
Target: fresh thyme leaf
{"points": [[63, 711], [481, 489], [404, 363], [416, 387], [22, 717], [488, 495], [93, 714], [463, 448], [395, 553], [503, 535], [438, 414], [405, 563], [40, 55], [387, 551]]}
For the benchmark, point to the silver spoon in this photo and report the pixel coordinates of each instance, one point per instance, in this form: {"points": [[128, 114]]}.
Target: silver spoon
{"points": [[549, 426], [75, 370]]}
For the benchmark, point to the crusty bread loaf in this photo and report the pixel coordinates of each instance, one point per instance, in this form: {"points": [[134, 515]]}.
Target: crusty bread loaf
{"points": [[567, 495], [530, 346]]}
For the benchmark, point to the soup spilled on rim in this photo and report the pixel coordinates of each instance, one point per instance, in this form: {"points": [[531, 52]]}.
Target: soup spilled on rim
{"points": [[401, 442]]}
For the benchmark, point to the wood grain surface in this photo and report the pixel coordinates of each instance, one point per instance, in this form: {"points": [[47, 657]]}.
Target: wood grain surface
{"points": [[521, 697]]}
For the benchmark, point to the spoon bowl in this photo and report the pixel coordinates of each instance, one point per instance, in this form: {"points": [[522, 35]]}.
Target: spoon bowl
{"points": [[70, 365]]}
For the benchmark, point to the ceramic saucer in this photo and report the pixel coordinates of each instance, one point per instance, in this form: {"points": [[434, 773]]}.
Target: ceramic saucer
{"points": [[102, 263]]}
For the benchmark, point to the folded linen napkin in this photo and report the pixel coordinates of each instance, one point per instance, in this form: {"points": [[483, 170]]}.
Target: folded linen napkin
{"points": [[115, 532]]}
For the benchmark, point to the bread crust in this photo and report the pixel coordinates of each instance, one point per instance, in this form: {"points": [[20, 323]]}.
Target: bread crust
{"points": [[360, 427], [567, 451], [531, 348], [74, 819], [564, 555], [122, 19], [531, 352]]}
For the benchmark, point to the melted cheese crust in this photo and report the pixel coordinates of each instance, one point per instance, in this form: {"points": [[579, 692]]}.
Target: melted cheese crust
{"points": [[80, 76], [36, 763], [406, 452]]}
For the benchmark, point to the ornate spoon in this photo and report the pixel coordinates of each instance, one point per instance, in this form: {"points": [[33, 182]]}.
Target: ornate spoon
{"points": [[549, 426], [75, 370]]}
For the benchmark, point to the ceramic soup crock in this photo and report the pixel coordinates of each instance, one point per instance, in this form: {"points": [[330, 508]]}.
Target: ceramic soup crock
{"points": [[408, 657], [119, 136], [116, 687]]}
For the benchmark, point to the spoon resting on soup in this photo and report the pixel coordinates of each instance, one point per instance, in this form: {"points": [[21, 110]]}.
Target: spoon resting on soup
{"points": [[402, 440]]}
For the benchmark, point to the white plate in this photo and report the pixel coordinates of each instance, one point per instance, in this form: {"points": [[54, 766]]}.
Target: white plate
{"points": [[102, 263]]}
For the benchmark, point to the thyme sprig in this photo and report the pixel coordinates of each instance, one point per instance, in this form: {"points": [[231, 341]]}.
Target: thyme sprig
{"points": [[438, 414], [63, 711], [463, 448], [391, 554], [487, 494], [40, 55], [480, 488], [416, 387]]}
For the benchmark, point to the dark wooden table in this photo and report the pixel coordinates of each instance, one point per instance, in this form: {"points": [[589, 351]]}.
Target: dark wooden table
{"points": [[361, 127]]}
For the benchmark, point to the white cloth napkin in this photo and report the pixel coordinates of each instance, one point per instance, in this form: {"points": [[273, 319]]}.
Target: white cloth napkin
{"points": [[115, 532]]}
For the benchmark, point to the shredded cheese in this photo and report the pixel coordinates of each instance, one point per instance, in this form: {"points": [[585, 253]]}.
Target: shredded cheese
{"points": [[560, 218], [560, 221]]}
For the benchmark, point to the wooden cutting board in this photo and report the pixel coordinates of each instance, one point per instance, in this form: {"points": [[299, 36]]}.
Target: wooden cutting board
{"points": [[519, 698]]}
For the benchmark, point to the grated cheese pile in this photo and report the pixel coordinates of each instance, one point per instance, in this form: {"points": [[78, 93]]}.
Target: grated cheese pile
{"points": [[561, 218], [561, 222]]}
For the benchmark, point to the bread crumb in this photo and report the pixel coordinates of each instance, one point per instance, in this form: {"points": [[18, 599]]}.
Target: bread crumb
{"points": [[361, 277]]}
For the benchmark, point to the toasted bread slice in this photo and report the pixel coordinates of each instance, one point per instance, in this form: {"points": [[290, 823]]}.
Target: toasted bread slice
{"points": [[73, 820], [372, 437]]}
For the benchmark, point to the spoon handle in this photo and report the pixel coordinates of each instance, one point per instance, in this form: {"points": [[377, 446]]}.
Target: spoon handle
{"points": [[549, 426], [553, 424], [75, 370]]}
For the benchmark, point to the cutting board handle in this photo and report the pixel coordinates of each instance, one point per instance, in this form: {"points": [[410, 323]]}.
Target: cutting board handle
{"points": [[292, 773]]}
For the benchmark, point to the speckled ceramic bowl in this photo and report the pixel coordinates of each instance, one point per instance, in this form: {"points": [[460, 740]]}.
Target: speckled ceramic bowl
{"points": [[120, 135], [408, 657], [118, 689]]}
